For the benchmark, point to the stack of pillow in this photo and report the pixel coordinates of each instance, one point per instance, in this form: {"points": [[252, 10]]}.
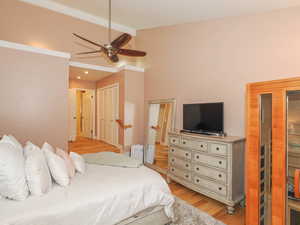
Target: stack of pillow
{"points": [[31, 169]]}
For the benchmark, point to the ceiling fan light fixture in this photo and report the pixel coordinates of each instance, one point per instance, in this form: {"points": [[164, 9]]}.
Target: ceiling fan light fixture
{"points": [[114, 48]]}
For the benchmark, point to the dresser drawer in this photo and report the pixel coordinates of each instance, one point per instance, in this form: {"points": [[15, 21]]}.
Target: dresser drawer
{"points": [[210, 160], [180, 163], [218, 149], [180, 173], [174, 140], [211, 173], [201, 146], [181, 153], [211, 186]]}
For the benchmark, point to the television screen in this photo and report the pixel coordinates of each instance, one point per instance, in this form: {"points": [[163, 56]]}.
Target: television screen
{"points": [[203, 118]]}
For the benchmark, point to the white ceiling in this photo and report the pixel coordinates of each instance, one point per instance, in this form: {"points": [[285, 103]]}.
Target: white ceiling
{"points": [[141, 14], [93, 75]]}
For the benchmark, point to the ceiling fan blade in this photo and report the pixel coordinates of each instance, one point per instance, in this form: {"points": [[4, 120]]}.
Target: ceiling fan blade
{"points": [[130, 52], [121, 40], [83, 53], [91, 42], [114, 58]]}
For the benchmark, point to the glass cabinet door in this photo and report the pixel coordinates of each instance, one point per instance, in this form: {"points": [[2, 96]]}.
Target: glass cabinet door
{"points": [[293, 157], [266, 159]]}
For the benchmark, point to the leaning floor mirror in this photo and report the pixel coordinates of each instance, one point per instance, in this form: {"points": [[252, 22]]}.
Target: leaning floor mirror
{"points": [[161, 120]]}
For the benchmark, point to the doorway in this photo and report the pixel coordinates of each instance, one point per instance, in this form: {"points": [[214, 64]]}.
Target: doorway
{"points": [[82, 113], [108, 114]]}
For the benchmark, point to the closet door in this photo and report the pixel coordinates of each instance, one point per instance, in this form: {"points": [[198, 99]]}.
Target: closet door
{"points": [[101, 120]]}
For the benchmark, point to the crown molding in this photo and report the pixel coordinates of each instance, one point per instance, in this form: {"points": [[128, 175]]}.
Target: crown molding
{"points": [[93, 67], [76, 13], [106, 68], [27, 48]]}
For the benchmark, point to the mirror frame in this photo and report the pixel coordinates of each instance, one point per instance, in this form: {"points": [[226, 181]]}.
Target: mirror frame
{"points": [[172, 128]]}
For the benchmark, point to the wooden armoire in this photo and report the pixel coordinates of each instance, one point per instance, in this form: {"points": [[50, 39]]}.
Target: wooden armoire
{"points": [[272, 152]]}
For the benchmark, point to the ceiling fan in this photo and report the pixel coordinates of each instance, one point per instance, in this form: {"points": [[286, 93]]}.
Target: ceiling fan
{"points": [[114, 48]]}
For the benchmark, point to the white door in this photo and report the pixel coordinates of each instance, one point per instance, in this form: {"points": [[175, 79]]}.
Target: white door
{"points": [[108, 113], [72, 114], [87, 114]]}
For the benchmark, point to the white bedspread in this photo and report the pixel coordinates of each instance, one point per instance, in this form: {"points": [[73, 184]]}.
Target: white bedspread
{"points": [[102, 196]]}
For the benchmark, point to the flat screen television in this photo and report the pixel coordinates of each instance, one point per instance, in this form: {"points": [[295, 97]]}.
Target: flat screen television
{"points": [[205, 118]]}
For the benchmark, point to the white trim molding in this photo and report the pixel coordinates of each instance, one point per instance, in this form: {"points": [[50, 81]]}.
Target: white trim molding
{"points": [[106, 68], [27, 48], [132, 68], [76, 13], [93, 67]]}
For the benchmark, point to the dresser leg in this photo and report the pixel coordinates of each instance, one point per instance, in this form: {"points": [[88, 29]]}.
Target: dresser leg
{"points": [[230, 209]]}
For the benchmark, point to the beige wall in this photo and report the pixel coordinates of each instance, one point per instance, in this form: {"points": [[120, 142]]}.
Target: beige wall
{"points": [[33, 96], [112, 79], [213, 60], [134, 108], [31, 25], [73, 83]]}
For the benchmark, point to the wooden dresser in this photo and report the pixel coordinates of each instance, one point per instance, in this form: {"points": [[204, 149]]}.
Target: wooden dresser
{"points": [[213, 166]]}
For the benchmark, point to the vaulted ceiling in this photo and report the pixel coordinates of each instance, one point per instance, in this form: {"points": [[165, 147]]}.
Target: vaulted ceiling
{"points": [[141, 14]]}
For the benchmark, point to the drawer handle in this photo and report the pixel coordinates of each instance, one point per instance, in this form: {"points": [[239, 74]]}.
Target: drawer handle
{"points": [[220, 162], [186, 165], [172, 170], [201, 146], [197, 180], [217, 148], [197, 169], [186, 154], [184, 142], [173, 160], [172, 150], [187, 176], [220, 175], [220, 189], [197, 157], [173, 140]]}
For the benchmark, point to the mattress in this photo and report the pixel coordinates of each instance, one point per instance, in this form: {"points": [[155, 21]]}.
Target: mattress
{"points": [[102, 196]]}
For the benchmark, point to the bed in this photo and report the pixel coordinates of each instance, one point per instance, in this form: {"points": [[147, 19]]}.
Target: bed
{"points": [[102, 196]]}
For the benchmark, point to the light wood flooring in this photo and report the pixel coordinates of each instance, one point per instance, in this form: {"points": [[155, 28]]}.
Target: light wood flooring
{"points": [[161, 156], [210, 206], [84, 145]]}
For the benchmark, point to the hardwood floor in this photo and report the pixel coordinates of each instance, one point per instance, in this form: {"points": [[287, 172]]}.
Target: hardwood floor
{"points": [[86, 145], [161, 156], [208, 205]]}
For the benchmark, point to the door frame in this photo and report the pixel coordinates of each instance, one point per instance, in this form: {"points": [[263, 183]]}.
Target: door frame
{"points": [[93, 108], [117, 85]]}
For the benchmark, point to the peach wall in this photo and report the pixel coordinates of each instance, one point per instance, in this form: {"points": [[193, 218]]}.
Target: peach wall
{"points": [[112, 79], [213, 60], [31, 25], [33, 96], [73, 83], [134, 108]]}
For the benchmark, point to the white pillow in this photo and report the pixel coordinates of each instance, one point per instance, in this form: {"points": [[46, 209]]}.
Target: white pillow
{"points": [[36, 169], [12, 173], [57, 167], [11, 140], [48, 146], [78, 162]]}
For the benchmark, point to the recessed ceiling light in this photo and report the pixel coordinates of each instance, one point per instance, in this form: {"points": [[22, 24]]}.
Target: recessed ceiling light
{"points": [[79, 77], [86, 72]]}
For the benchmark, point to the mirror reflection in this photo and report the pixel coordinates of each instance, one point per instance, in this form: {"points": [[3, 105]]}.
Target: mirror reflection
{"points": [[160, 123]]}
